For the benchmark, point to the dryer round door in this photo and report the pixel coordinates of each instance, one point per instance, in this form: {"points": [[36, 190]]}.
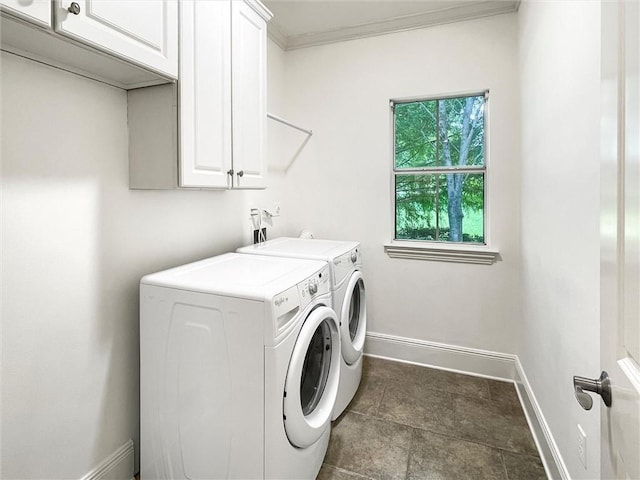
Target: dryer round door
{"points": [[353, 319], [311, 386]]}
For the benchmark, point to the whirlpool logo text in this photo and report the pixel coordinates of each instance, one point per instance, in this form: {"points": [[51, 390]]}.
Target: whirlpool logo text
{"points": [[281, 300]]}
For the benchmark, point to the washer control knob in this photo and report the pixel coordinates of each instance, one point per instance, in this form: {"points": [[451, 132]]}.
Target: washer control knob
{"points": [[354, 257], [313, 287]]}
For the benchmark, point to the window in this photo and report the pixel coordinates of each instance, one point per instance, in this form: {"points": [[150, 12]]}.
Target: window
{"points": [[439, 169]]}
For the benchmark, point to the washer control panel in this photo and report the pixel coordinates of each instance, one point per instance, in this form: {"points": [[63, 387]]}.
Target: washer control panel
{"points": [[285, 308], [288, 304], [318, 284], [345, 263]]}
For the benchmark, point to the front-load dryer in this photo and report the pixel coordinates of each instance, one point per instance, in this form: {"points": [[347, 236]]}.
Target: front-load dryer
{"points": [[239, 367], [348, 288]]}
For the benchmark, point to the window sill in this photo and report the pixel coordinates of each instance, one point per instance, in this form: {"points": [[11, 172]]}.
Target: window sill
{"points": [[480, 255]]}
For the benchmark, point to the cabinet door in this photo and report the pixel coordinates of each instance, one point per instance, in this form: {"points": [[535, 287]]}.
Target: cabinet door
{"points": [[36, 11], [249, 104], [144, 32], [205, 94]]}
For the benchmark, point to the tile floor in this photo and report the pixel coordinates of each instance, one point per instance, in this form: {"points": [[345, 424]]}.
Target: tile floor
{"points": [[417, 423]]}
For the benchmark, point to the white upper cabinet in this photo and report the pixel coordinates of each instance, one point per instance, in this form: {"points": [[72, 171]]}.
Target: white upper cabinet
{"points": [[205, 94], [132, 43], [248, 60], [144, 32], [35, 11], [222, 93]]}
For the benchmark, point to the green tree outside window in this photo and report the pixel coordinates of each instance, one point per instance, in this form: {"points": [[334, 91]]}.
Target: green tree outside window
{"points": [[439, 169]]}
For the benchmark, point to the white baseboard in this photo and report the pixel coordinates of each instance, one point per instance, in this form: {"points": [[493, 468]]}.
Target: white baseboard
{"points": [[117, 466], [547, 447], [482, 363]]}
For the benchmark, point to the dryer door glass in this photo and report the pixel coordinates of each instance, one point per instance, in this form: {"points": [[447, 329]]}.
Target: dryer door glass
{"points": [[315, 370], [354, 309], [353, 324]]}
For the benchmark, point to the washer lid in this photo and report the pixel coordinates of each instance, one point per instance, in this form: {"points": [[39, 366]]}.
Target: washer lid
{"points": [[232, 274], [303, 247]]}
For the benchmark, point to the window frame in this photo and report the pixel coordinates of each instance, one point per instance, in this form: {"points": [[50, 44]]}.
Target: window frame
{"points": [[459, 252]]}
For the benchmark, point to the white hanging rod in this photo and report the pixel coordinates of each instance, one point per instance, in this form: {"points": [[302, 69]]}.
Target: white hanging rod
{"points": [[282, 120]]}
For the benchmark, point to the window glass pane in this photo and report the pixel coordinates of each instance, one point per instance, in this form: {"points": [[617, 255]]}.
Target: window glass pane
{"points": [[447, 208], [443, 217], [461, 208], [439, 133], [461, 131], [416, 207], [415, 127]]}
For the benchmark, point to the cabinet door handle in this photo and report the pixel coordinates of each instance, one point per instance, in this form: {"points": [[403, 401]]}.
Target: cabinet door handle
{"points": [[230, 172], [74, 8], [241, 173]]}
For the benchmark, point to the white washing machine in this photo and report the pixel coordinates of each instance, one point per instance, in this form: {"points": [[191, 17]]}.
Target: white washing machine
{"points": [[348, 289], [239, 367]]}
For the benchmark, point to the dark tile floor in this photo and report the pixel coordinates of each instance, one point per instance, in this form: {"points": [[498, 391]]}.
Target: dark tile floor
{"points": [[417, 423]]}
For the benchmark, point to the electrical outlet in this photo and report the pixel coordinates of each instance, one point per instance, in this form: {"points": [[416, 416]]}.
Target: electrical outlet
{"points": [[259, 236], [582, 446]]}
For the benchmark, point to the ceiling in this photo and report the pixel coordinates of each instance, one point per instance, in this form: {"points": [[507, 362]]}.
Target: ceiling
{"points": [[305, 23]]}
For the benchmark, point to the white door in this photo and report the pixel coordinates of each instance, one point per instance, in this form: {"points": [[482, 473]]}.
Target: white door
{"points": [[36, 11], [312, 380], [205, 94], [620, 238], [144, 32], [249, 103]]}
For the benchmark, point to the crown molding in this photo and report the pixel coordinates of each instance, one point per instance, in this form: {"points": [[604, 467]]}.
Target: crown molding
{"points": [[260, 9], [392, 25], [277, 36]]}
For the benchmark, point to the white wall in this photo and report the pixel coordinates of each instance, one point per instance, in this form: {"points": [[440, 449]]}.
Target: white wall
{"points": [[281, 145], [340, 185], [560, 83], [75, 242]]}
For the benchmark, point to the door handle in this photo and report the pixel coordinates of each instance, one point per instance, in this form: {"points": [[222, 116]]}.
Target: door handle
{"points": [[74, 8], [601, 386]]}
